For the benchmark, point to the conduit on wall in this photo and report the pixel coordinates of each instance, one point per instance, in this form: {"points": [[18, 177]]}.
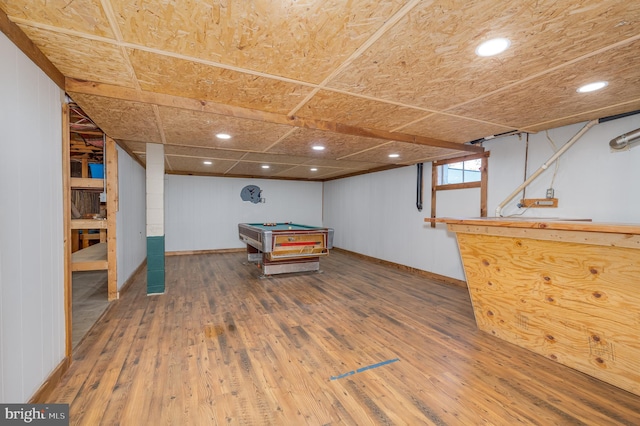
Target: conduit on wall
{"points": [[619, 143], [419, 187], [546, 165]]}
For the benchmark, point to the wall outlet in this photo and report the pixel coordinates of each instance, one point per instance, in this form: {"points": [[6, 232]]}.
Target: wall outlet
{"points": [[550, 192]]}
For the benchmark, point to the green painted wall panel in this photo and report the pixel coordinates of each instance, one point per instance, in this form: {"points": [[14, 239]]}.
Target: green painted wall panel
{"points": [[155, 265]]}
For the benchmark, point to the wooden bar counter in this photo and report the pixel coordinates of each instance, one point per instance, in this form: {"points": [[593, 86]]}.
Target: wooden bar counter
{"points": [[568, 290]]}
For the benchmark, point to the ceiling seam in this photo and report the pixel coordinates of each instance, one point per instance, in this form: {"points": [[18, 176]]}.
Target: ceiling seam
{"points": [[26, 22], [316, 87], [154, 98], [156, 112], [158, 51], [235, 164], [250, 151], [304, 163], [113, 23], [549, 70], [200, 156], [365, 150], [544, 123], [288, 169], [281, 138], [389, 23], [411, 123], [166, 159]]}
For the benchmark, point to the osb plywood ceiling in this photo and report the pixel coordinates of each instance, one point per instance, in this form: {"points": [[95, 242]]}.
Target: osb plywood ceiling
{"points": [[363, 78]]}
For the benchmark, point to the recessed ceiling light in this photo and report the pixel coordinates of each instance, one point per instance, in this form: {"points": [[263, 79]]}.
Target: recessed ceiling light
{"points": [[318, 148], [313, 169], [223, 136], [493, 47], [265, 166], [208, 163], [591, 87], [394, 155]]}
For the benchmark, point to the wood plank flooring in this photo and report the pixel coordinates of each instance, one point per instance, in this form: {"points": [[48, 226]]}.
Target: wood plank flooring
{"points": [[223, 346]]}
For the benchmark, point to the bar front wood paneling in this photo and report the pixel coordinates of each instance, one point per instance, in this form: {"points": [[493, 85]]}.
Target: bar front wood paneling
{"points": [[567, 290]]}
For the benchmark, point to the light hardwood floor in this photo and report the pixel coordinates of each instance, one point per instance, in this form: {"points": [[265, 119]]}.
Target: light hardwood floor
{"points": [[223, 346]]}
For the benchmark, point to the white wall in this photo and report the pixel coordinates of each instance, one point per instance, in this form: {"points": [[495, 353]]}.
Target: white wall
{"points": [[130, 219], [202, 213], [591, 181], [375, 214], [32, 328]]}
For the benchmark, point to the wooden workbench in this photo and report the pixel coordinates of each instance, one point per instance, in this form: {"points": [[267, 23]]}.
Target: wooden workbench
{"points": [[92, 258], [568, 290]]}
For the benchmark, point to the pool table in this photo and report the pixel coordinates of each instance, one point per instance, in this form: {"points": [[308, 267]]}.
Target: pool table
{"points": [[280, 248]]}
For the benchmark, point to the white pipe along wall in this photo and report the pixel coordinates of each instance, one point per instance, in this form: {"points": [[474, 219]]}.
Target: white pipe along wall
{"points": [[545, 165]]}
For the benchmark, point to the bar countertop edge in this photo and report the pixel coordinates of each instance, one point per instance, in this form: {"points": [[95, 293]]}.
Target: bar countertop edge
{"points": [[584, 225]]}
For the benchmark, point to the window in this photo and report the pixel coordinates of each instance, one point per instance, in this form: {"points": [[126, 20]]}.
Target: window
{"points": [[460, 172]]}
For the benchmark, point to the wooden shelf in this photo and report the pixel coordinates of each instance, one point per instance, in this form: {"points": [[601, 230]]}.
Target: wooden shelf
{"points": [[87, 183], [92, 258], [88, 224]]}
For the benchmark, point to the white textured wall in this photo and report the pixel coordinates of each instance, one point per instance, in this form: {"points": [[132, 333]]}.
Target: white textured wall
{"points": [[375, 214], [32, 329], [131, 220], [202, 213]]}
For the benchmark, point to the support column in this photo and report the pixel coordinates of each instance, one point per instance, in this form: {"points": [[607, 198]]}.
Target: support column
{"points": [[155, 218], [111, 163]]}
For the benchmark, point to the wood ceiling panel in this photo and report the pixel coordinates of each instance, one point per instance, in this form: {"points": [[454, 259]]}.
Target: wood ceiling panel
{"points": [[194, 128], [338, 174], [179, 77], [245, 168], [554, 95], [301, 141], [274, 158], [86, 16], [120, 119], [454, 129], [341, 108], [190, 151], [250, 64], [346, 164], [196, 165], [600, 113], [301, 40], [142, 157], [305, 172], [133, 146], [408, 153], [428, 59], [81, 58]]}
